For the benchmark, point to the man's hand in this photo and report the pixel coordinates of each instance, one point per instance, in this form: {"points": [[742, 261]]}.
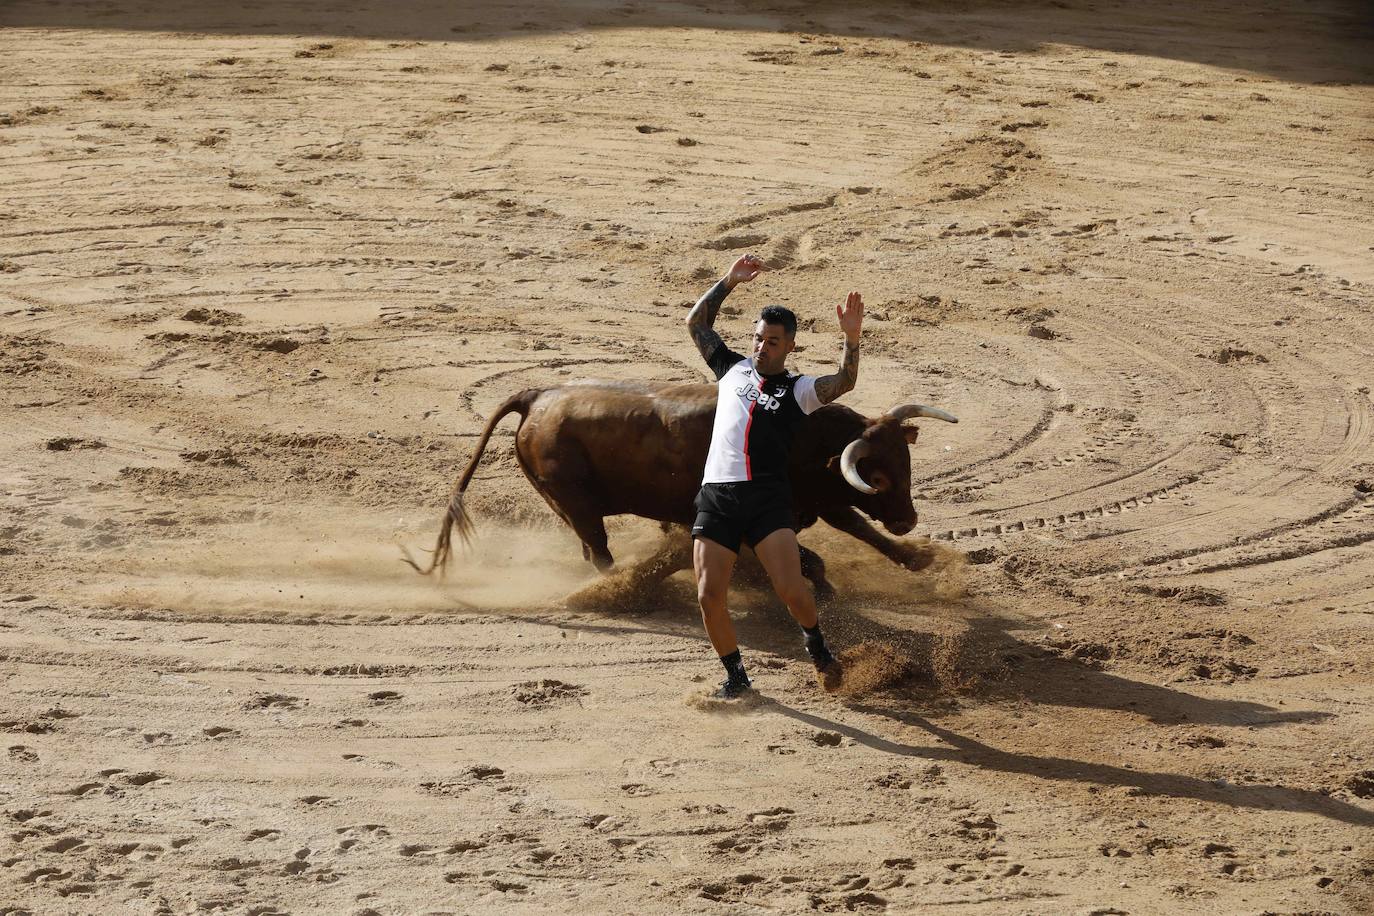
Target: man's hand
{"points": [[703, 315], [851, 316], [744, 270]]}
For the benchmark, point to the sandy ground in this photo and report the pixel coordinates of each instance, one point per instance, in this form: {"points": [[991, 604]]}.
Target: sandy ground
{"points": [[264, 272]]}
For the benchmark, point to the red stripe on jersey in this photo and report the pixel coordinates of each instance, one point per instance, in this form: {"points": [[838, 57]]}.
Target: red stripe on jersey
{"points": [[759, 386], [748, 470]]}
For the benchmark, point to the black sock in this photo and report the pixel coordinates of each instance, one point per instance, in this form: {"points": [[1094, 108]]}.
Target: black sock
{"points": [[816, 647], [734, 667]]}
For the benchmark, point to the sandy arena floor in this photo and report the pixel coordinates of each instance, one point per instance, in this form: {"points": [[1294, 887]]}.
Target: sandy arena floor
{"points": [[265, 270]]}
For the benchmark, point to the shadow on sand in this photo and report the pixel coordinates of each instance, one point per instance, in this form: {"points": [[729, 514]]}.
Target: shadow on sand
{"points": [[956, 747], [1326, 41], [1036, 677]]}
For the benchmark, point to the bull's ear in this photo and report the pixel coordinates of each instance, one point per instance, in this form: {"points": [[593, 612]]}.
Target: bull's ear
{"points": [[833, 464], [911, 432]]}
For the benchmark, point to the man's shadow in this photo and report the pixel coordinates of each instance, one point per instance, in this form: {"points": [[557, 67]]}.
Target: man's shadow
{"points": [[959, 748], [987, 642], [986, 647]]}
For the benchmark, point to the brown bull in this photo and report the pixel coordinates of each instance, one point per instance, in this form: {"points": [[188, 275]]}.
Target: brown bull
{"points": [[594, 449]]}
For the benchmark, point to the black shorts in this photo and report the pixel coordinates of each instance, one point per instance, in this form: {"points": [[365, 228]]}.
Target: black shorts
{"points": [[747, 511]]}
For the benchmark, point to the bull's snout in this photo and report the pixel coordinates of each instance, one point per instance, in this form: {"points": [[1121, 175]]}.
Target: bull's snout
{"points": [[901, 528]]}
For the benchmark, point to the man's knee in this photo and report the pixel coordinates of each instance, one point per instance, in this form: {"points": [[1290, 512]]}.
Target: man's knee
{"points": [[710, 593], [792, 592]]}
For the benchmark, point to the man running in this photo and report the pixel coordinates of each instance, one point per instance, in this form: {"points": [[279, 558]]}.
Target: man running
{"points": [[745, 494]]}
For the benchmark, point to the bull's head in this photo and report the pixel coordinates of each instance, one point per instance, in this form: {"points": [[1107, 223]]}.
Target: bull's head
{"points": [[878, 465]]}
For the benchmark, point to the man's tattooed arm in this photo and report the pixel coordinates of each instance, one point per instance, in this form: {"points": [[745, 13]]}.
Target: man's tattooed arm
{"points": [[830, 387], [703, 315]]}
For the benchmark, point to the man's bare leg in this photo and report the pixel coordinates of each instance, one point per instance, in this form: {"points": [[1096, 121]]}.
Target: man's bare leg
{"points": [[781, 558], [713, 565]]}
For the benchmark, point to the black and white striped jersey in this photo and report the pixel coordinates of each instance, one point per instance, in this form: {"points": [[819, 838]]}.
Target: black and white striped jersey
{"points": [[756, 417]]}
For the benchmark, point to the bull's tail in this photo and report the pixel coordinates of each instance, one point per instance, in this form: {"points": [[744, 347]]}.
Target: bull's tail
{"points": [[457, 514]]}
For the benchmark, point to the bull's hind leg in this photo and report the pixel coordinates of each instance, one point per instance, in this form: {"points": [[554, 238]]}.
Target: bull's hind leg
{"points": [[592, 531], [579, 510], [813, 568]]}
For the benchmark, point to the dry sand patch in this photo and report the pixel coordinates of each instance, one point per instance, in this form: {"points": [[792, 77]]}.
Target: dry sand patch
{"points": [[264, 272]]}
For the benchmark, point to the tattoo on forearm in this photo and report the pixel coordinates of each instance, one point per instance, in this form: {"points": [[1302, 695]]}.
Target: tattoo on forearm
{"points": [[703, 315], [830, 387]]}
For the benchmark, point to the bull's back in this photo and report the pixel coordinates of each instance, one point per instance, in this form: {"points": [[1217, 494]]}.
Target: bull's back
{"points": [[640, 447]]}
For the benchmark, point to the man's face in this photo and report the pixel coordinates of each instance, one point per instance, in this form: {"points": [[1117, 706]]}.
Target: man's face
{"points": [[771, 346]]}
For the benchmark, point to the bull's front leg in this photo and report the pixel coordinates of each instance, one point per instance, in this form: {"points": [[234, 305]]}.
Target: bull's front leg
{"points": [[911, 556]]}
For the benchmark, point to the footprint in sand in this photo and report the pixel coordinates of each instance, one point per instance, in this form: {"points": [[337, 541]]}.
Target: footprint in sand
{"points": [[65, 845], [462, 846], [484, 772], [733, 242], [274, 700], [772, 818], [358, 834], [142, 779], [546, 692], [22, 754]]}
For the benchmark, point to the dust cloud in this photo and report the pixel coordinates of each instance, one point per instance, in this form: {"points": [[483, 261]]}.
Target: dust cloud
{"points": [[338, 566]]}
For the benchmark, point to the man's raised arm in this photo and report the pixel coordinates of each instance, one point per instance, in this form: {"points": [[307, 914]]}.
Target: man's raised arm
{"points": [[851, 315], [702, 318]]}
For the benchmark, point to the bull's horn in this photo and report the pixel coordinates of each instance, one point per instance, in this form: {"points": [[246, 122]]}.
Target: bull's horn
{"points": [[849, 465], [912, 411]]}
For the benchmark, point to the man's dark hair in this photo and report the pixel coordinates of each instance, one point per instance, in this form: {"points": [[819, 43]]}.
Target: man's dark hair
{"points": [[777, 314]]}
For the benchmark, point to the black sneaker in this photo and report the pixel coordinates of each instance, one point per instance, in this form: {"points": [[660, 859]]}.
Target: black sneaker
{"points": [[821, 657], [732, 689]]}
